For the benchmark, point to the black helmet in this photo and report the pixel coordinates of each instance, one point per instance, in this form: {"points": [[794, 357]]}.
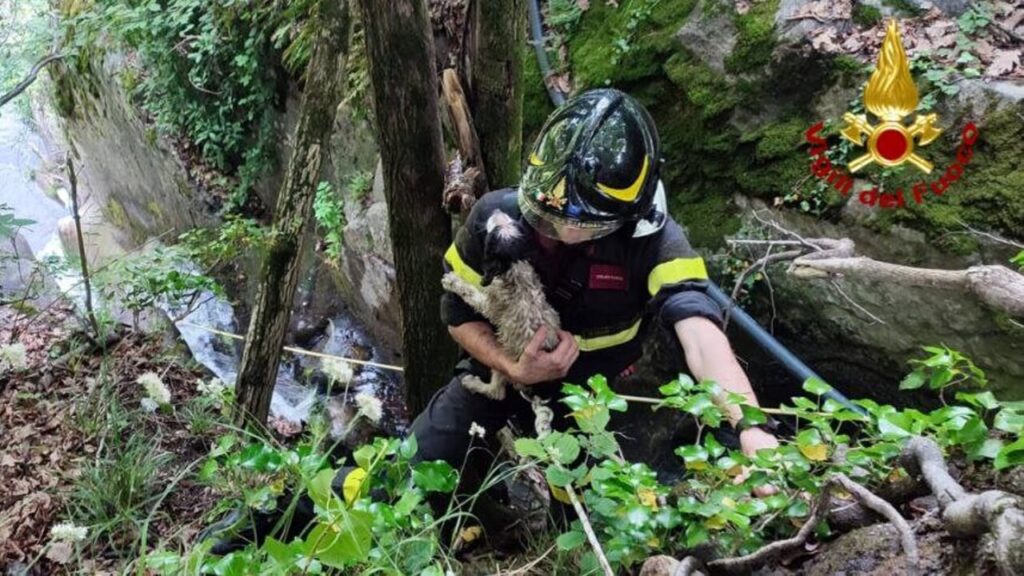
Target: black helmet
{"points": [[593, 168]]}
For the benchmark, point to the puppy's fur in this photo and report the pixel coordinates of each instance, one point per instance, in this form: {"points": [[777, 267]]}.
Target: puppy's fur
{"points": [[512, 297]]}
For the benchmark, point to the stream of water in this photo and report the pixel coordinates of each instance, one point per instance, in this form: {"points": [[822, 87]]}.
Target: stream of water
{"points": [[22, 153]]}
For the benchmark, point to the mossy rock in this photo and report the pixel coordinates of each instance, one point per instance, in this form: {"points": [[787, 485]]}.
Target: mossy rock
{"points": [[593, 51]]}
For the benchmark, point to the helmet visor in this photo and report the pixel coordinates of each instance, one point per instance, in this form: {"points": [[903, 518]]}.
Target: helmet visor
{"points": [[562, 228]]}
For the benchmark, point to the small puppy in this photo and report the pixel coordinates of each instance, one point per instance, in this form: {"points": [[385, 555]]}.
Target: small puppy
{"points": [[512, 297]]}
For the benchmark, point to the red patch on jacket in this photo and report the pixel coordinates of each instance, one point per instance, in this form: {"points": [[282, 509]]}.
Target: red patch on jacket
{"points": [[607, 277]]}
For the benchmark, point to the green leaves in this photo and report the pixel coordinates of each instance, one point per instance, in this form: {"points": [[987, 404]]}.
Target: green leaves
{"points": [[816, 386], [570, 540], [343, 542], [436, 476]]}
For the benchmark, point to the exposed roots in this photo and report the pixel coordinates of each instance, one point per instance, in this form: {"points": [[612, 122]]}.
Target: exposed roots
{"points": [[995, 513], [659, 566]]}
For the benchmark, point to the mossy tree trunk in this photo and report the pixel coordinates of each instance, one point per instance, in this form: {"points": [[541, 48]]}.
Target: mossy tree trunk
{"points": [[279, 276], [400, 55], [497, 86]]}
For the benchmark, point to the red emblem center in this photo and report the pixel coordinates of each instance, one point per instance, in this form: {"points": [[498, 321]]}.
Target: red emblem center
{"points": [[891, 144]]}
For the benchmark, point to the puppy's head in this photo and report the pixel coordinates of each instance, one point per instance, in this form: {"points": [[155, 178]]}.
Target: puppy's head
{"points": [[507, 241]]}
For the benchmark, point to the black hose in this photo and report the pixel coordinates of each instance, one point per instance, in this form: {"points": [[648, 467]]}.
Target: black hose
{"points": [[794, 365], [537, 39]]}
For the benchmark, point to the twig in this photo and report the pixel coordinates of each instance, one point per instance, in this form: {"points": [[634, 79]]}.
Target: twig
{"points": [[525, 569], [29, 79], [767, 553], [990, 236], [854, 304], [73, 184], [589, 530], [300, 351], [760, 264]]}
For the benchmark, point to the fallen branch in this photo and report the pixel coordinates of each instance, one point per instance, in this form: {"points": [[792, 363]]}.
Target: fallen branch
{"points": [[996, 286], [589, 531], [29, 79], [964, 514]]}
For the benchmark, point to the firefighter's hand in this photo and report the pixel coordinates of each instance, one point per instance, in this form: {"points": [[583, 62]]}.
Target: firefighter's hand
{"points": [[752, 440], [536, 365]]}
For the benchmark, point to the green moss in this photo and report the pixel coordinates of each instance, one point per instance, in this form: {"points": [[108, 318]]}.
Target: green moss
{"points": [[707, 220], [755, 39], [866, 15], [704, 88], [115, 214], [593, 52], [987, 196], [154, 209], [903, 6]]}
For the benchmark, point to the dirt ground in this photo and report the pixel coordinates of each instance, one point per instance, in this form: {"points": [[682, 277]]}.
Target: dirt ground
{"points": [[43, 447]]}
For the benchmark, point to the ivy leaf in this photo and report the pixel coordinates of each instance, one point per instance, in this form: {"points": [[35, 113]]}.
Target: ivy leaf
{"points": [[344, 543], [811, 445], [752, 415], [321, 492], [567, 448], [558, 476], [364, 456], [1011, 455], [408, 448], [530, 447], [816, 386], [570, 540], [1009, 421], [912, 381], [436, 476], [989, 449]]}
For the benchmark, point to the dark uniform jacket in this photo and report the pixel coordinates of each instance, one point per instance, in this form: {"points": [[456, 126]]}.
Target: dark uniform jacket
{"points": [[606, 292]]}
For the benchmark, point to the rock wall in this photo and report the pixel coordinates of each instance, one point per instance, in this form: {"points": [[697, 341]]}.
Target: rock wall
{"points": [[128, 173]]}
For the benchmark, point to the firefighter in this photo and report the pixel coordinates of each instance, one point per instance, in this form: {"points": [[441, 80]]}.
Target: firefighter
{"points": [[613, 263]]}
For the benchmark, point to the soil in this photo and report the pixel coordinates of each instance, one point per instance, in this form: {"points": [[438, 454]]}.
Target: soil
{"points": [[44, 448]]}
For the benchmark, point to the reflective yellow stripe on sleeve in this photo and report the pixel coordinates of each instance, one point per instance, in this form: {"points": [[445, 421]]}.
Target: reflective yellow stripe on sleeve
{"points": [[674, 271], [609, 340], [460, 268]]}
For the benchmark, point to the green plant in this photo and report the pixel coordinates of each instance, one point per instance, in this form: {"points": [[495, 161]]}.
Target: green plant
{"points": [[329, 211], [393, 531], [1019, 259], [866, 15], [116, 492], [639, 12], [563, 15], [359, 184], [162, 275], [210, 69], [944, 369]]}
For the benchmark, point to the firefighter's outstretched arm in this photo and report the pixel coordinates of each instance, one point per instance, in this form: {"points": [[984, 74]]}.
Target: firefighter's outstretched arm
{"points": [[709, 356]]}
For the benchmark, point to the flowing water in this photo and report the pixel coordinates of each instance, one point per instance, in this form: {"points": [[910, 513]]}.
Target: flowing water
{"points": [[22, 153]]}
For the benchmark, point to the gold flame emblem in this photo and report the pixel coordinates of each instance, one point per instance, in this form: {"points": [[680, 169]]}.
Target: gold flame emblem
{"points": [[891, 96]]}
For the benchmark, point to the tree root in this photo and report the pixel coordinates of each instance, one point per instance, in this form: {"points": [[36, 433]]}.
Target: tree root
{"points": [[964, 514], [769, 552]]}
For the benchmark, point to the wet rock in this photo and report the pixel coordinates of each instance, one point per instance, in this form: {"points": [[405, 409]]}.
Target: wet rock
{"points": [[710, 37], [16, 265]]}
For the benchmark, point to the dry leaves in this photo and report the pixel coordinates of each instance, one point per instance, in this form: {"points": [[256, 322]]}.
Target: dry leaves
{"points": [[1004, 62], [997, 49]]}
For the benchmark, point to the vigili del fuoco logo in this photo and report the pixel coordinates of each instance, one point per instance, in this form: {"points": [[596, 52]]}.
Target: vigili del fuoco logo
{"points": [[891, 97]]}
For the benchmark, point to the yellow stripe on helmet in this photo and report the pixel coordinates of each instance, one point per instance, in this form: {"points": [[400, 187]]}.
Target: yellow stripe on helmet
{"points": [[463, 270], [629, 193], [675, 271]]}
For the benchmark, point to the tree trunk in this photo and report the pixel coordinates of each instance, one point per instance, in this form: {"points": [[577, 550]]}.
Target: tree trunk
{"points": [[279, 276], [497, 86], [400, 54]]}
